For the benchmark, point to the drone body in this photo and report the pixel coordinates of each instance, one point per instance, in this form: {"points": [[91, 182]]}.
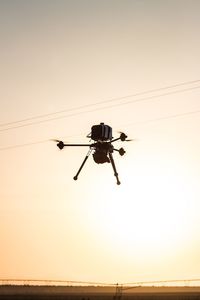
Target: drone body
{"points": [[102, 147]]}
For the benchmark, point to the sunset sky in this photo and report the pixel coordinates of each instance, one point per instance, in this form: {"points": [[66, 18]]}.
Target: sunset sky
{"points": [[65, 66]]}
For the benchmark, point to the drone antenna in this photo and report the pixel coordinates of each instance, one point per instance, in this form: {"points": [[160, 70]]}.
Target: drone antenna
{"points": [[88, 135]]}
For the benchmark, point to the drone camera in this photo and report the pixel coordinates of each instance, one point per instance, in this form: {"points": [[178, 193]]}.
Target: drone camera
{"points": [[101, 132]]}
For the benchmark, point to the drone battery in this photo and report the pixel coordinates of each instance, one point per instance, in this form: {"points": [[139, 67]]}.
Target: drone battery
{"points": [[101, 132]]}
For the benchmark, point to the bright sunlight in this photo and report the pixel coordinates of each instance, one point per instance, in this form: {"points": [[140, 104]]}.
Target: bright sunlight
{"points": [[146, 215]]}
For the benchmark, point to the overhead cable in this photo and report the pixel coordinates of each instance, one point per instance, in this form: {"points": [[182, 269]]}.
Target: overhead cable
{"points": [[101, 108], [101, 102], [125, 286], [129, 124], [164, 118]]}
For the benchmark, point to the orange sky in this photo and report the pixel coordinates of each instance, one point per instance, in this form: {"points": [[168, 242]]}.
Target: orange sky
{"points": [[60, 55]]}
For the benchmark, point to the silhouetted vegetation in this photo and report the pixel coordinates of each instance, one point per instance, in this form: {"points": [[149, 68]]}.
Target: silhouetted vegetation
{"points": [[25, 292], [192, 296]]}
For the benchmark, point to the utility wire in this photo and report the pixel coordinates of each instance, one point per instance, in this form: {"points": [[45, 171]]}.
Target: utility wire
{"points": [[37, 142], [23, 145], [159, 281], [58, 281], [165, 118], [125, 286], [101, 108], [100, 102], [130, 124]]}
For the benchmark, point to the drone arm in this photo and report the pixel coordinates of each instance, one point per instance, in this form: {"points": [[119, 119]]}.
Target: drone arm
{"points": [[115, 140], [122, 137], [121, 151], [79, 145], [61, 145]]}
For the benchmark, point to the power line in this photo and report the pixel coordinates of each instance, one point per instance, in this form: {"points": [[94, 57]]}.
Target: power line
{"points": [[126, 286], [52, 282], [100, 108], [23, 145], [130, 124], [100, 102], [160, 281], [165, 118], [37, 142]]}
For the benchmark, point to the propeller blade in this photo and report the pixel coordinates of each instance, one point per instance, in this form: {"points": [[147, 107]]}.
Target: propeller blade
{"points": [[55, 140], [60, 143], [123, 137]]}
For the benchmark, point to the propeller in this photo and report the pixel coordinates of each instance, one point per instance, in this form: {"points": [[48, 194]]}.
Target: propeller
{"points": [[129, 140], [55, 140], [60, 144], [123, 137]]}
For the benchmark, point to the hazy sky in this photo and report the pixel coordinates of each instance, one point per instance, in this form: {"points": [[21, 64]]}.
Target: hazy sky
{"points": [[75, 56]]}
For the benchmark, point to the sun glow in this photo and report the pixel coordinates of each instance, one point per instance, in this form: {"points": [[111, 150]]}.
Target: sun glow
{"points": [[146, 216]]}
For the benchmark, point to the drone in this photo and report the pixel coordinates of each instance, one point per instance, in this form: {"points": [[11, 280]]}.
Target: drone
{"points": [[102, 147]]}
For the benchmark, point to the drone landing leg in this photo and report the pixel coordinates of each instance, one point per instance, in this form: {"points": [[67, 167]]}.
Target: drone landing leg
{"points": [[114, 168], [88, 154]]}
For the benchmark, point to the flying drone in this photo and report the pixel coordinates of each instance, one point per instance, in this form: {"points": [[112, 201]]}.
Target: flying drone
{"points": [[102, 147]]}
